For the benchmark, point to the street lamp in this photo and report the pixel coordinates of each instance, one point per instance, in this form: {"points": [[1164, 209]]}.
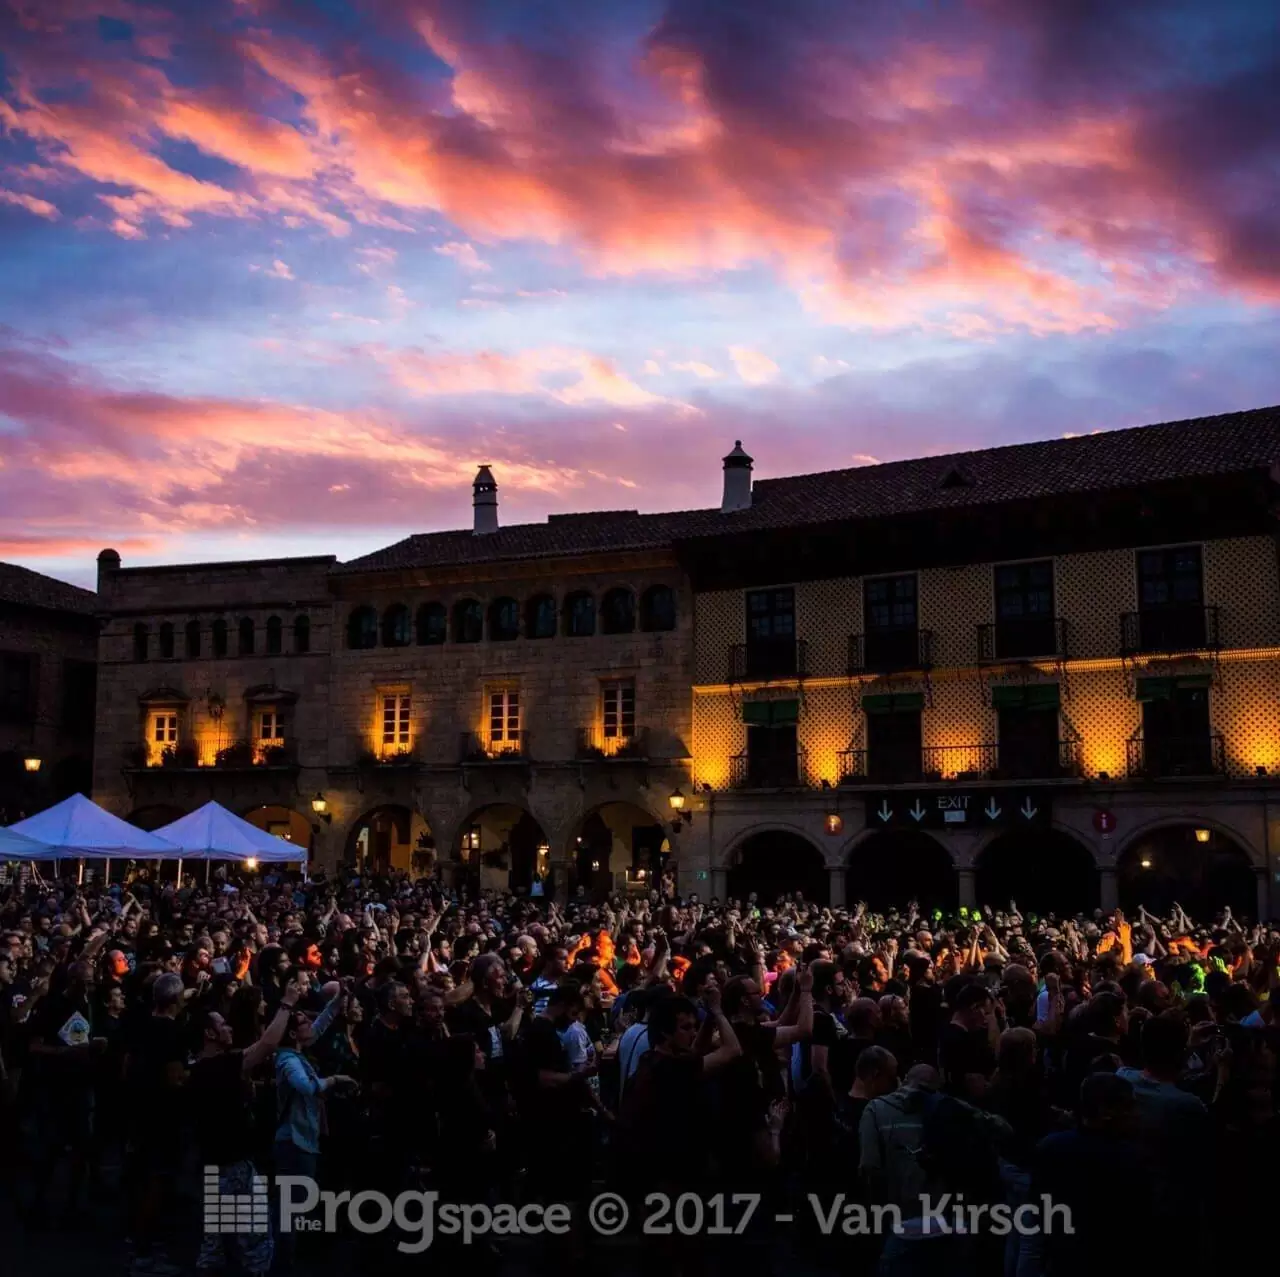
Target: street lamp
{"points": [[320, 805], [1202, 835], [31, 764]]}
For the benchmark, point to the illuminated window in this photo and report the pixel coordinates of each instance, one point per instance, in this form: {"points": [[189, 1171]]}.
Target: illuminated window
{"points": [[504, 717], [164, 728], [395, 721], [619, 711], [270, 725]]}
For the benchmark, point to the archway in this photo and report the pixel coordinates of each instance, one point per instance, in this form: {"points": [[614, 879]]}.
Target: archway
{"points": [[1043, 870], [619, 845], [284, 822], [1199, 867], [382, 840], [894, 866], [501, 847], [776, 863]]}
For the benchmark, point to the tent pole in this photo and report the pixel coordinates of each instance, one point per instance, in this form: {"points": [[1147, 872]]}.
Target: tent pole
{"points": [[208, 865], [106, 871], [80, 874], [179, 873]]}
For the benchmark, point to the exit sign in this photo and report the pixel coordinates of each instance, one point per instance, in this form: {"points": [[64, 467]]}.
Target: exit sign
{"points": [[958, 809]]}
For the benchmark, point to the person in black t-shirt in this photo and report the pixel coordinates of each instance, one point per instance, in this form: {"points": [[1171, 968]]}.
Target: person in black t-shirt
{"points": [[966, 1045], [221, 1103]]}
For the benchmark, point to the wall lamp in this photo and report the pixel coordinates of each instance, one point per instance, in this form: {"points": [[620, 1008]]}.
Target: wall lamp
{"points": [[678, 802], [320, 805], [31, 764]]}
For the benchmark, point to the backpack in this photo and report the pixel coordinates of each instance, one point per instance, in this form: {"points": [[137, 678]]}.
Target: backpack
{"points": [[957, 1151]]}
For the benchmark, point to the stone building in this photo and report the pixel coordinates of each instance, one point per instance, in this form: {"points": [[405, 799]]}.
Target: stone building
{"points": [[1050, 671], [48, 647]]}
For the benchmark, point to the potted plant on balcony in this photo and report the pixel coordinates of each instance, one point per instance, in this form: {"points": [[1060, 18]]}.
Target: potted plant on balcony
{"points": [[237, 754], [274, 755], [137, 756], [182, 755]]}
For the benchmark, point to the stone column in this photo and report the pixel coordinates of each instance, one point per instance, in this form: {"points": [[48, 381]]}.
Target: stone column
{"points": [[836, 875], [1109, 889], [968, 891]]}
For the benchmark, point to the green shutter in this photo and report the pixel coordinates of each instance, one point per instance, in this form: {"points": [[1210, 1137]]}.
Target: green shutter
{"points": [[893, 702], [785, 713], [1155, 689], [1009, 697], [756, 713], [1028, 696], [1042, 696], [1194, 680]]}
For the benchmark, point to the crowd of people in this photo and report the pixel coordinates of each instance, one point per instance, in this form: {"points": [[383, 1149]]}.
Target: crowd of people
{"points": [[384, 1033]]}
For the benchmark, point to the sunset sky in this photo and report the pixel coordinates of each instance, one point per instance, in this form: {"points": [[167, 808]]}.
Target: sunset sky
{"points": [[276, 276]]}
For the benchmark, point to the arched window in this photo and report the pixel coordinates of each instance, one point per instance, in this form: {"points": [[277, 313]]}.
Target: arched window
{"points": [[246, 636], [468, 621], [540, 617], [193, 640], [166, 640], [658, 609], [431, 625], [218, 634], [397, 630], [302, 633], [618, 611], [504, 620], [580, 614], [362, 628], [141, 641], [275, 636]]}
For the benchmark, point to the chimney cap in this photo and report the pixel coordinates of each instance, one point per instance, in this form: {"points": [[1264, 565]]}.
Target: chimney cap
{"points": [[109, 558], [484, 478], [738, 457]]}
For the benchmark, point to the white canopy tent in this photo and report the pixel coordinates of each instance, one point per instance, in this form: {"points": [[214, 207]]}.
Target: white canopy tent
{"points": [[213, 833], [78, 827], [19, 847]]}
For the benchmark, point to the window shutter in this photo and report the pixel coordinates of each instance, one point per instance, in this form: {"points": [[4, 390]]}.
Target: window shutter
{"points": [[1155, 689], [1031, 696], [756, 713]]}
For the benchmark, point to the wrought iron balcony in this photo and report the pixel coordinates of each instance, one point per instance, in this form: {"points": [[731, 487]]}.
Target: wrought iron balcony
{"points": [[474, 748], [892, 651], [768, 659], [1167, 757], [1170, 629], [1022, 638], [852, 765], [1015, 760], [594, 745], [775, 769]]}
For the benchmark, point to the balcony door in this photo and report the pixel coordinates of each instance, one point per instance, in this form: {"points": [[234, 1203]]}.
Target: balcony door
{"points": [[771, 633], [1171, 599], [1176, 731], [772, 745], [894, 737], [1028, 730], [892, 623], [1024, 610]]}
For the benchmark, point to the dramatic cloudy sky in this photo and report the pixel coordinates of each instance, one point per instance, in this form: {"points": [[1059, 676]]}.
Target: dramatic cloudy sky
{"points": [[276, 274]]}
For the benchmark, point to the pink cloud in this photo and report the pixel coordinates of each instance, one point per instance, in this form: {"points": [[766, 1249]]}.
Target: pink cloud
{"points": [[754, 367], [41, 208]]}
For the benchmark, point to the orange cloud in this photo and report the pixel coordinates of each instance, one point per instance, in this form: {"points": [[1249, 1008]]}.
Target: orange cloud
{"points": [[41, 208]]}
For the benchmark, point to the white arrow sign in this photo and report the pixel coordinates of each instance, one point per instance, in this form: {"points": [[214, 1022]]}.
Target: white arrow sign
{"points": [[992, 810], [1027, 809], [917, 812], [885, 812]]}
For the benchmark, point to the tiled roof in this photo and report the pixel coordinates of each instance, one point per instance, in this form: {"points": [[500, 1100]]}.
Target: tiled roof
{"points": [[1112, 459], [25, 588]]}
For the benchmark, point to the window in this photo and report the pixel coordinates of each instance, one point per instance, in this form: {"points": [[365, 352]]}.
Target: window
{"points": [[166, 641], [540, 617], [1177, 736], [504, 620], [889, 612], [164, 728], [192, 640], [504, 718], [471, 842], [270, 726], [218, 635], [362, 629], [79, 696], [618, 612], [771, 633], [1028, 732], [468, 621], [619, 707], [431, 625], [396, 627], [580, 615], [395, 722], [894, 736], [17, 687], [1024, 609], [246, 636], [141, 641], [275, 636], [658, 609], [302, 634], [1171, 614]]}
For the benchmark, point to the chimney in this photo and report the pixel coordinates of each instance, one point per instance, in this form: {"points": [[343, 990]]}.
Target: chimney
{"points": [[108, 564], [486, 502], [737, 481]]}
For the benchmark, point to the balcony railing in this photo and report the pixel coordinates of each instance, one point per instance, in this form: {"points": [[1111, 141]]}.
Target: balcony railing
{"points": [[594, 744], [1173, 628], [776, 658], [774, 770], [958, 763], [1164, 757], [1022, 638], [474, 748], [891, 651]]}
